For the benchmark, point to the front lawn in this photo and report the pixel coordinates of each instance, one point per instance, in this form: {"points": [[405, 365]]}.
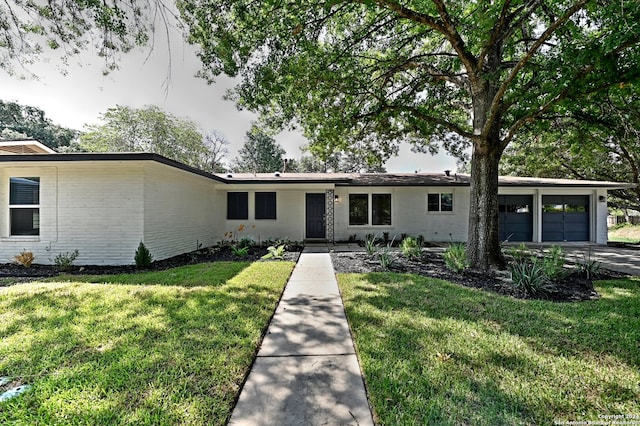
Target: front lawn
{"points": [[438, 353], [169, 347]]}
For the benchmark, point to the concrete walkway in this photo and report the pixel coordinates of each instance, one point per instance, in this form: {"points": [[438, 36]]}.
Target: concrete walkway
{"points": [[306, 372]]}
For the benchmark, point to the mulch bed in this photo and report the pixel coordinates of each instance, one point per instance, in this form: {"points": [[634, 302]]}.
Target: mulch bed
{"points": [[14, 273], [574, 287]]}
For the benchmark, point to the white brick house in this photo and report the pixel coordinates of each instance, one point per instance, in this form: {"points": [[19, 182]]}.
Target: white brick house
{"points": [[103, 205]]}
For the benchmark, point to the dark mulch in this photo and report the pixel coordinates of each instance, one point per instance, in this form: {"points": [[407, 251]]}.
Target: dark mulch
{"points": [[11, 273], [573, 287]]}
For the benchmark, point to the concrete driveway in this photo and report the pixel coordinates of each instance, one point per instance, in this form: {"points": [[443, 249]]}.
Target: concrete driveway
{"points": [[623, 260]]}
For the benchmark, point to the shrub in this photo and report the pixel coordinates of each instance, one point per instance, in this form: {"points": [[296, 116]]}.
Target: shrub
{"points": [[455, 257], [276, 252], [25, 258], [143, 256], [410, 248], [64, 261], [530, 276], [588, 266]]}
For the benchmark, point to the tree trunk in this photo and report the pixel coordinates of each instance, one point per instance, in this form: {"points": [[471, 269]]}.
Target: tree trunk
{"points": [[483, 245]]}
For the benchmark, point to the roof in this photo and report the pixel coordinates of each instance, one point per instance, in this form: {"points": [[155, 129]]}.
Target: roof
{"points": [[339, 179], [25, 146]]}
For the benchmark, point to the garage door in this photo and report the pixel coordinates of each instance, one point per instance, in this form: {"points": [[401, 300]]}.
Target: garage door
{"points": [[516, 217], [565, 218]]}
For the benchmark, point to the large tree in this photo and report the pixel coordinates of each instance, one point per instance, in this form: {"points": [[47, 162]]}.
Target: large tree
{"points": [[24, 121], [149, 129], [260, 153], [375, 73], [597, 139]]}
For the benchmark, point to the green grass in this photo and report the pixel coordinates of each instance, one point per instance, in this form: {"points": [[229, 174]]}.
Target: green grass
{"points": [[168, 347], [625, 233], [437, 353]]}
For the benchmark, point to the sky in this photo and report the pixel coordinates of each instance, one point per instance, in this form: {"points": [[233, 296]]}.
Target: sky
{"points": [[155, 77]]}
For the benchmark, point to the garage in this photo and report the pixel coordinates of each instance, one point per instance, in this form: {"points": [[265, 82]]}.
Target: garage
{"points": [[565, 218], [516, 217]]}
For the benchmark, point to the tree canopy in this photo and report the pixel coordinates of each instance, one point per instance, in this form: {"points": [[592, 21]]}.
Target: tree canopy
{"points": [[31, 29], [151, 129], [597, 139], [23, 121], [373, 74]]}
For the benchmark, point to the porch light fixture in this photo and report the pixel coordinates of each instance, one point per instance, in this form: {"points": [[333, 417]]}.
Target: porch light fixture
{"points": [[336, 199], [602, 198]]}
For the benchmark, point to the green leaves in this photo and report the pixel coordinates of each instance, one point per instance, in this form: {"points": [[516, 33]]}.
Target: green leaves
{"points": [[150, 129]]}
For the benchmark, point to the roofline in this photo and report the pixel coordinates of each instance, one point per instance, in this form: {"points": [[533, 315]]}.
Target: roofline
{"points": [[341, 181], [344, 181], [107, 156]]}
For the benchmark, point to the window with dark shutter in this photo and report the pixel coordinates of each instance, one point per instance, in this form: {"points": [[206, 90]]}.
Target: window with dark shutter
{"points": [[237, 205], [265, 205]]}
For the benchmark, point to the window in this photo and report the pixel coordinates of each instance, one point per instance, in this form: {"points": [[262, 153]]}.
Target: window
{"points": [[358, 209], [24, 205], [440, 202], [380, 213], [381, 209], [265, 205], [237, 205]]}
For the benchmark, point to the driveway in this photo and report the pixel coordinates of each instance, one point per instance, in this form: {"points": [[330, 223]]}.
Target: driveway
{"points": [[626, 261]]}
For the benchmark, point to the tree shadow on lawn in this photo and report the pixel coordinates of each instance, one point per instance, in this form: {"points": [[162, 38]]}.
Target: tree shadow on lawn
{"points": [[129, 353], [469, 338]]}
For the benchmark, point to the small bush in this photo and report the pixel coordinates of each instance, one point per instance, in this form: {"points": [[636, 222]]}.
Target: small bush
{"points": [[410, 248], [64, 261], [530, 276], [455, 257], [276, 252], [25, 258], [143, 256]]}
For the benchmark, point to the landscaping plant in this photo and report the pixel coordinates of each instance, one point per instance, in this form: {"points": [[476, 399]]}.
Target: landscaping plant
{"points": [[530, 275], [25, 258], [410, 248], [275, 252], [370, 245], [588, 266], [239, 251], [553, 263], [384, 257], [455, 257], [64, 261], [143, 257]]}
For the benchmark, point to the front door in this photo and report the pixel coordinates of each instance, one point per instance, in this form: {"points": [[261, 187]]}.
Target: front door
{"points": [[315, 209]]}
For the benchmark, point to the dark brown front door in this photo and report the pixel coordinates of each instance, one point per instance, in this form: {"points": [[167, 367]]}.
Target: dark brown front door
{"points": [[315, 209]]}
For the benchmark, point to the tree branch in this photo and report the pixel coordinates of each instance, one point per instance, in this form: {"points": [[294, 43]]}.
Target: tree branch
{"points": [[546, 35]]}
